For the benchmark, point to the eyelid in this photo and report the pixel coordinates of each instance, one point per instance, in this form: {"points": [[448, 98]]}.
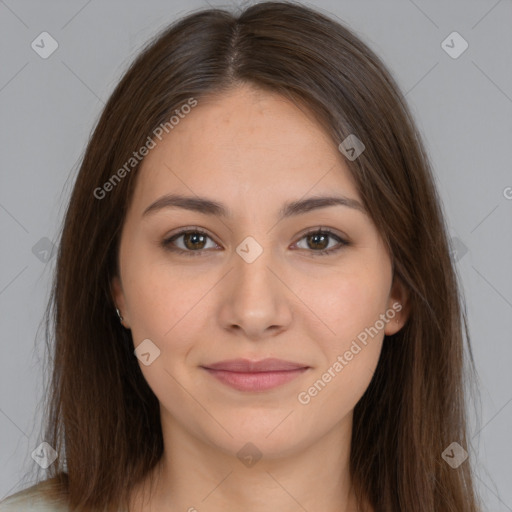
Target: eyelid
{"points": [[166, 242], [324, 229], [330, 232], [342, 240]]}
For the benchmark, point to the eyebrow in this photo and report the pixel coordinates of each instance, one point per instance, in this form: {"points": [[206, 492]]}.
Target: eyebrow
{"points": [[210, 207]]}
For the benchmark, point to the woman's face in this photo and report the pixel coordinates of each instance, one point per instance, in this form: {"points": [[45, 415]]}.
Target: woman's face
{"points": [[253, 284]]}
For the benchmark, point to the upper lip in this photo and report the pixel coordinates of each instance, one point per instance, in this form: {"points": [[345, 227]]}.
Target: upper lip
{"points": [[247, 366]]}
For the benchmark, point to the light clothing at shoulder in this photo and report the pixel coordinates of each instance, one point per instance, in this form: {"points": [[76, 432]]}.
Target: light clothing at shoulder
{"points": [[34, 499], [31, 500]]}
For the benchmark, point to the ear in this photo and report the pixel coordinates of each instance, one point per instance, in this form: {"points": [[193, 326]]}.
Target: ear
{"points": [[119, 299], [398, 303]]}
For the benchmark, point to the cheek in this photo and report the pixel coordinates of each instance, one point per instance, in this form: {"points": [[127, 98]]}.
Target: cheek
{"points": [[351, 309], [351, 306], [161, 305], [166, 303], [346, 303], [336, 389]]}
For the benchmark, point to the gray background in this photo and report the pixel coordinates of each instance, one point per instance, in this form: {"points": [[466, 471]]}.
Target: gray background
{"points": [[463, 108]]}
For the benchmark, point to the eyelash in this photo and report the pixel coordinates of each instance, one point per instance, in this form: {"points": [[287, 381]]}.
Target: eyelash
{"points": [[166, 243]]}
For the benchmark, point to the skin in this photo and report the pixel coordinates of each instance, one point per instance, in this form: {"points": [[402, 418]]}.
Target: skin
{"points": [[252, 151]]}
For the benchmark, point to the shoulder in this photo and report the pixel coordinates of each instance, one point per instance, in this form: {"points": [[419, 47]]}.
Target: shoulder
{"points": [[37, 498]]}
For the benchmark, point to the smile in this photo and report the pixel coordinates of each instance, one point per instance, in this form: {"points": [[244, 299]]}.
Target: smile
{"points": [[255, 381]]}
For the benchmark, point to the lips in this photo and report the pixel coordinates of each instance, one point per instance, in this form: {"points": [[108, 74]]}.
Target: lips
{"points": [[246, 375], [247, 366]]}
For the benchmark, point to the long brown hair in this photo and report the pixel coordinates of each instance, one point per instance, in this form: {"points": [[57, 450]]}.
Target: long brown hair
{"points": [[101, 415]]}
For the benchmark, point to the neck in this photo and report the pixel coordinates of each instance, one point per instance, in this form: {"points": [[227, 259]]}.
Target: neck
{"points": [[194, 476]]}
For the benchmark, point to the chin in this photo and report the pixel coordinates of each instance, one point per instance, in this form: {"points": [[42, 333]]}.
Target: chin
{"points": [[269, 435]]}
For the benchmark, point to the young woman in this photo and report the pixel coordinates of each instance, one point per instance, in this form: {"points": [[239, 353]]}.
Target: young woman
{"points": [[255, 307]]}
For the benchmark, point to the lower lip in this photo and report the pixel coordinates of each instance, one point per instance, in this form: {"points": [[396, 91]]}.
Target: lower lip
{"points": [[255, 381]]}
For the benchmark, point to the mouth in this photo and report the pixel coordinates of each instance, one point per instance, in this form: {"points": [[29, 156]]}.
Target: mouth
{"points": [[245, 375]]}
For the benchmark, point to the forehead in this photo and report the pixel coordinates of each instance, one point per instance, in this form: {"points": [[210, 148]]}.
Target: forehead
{"points": [[245, 142]]}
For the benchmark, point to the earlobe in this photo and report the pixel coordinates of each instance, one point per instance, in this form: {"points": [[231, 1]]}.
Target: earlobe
{"points": [[398, 307], [117, 293]]}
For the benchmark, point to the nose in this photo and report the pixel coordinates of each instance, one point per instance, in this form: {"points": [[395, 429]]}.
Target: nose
{"points": [[255, 301]]}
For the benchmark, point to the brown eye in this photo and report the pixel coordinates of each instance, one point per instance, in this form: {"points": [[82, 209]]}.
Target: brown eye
{"points": [[193, 242], [318, 242]]}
